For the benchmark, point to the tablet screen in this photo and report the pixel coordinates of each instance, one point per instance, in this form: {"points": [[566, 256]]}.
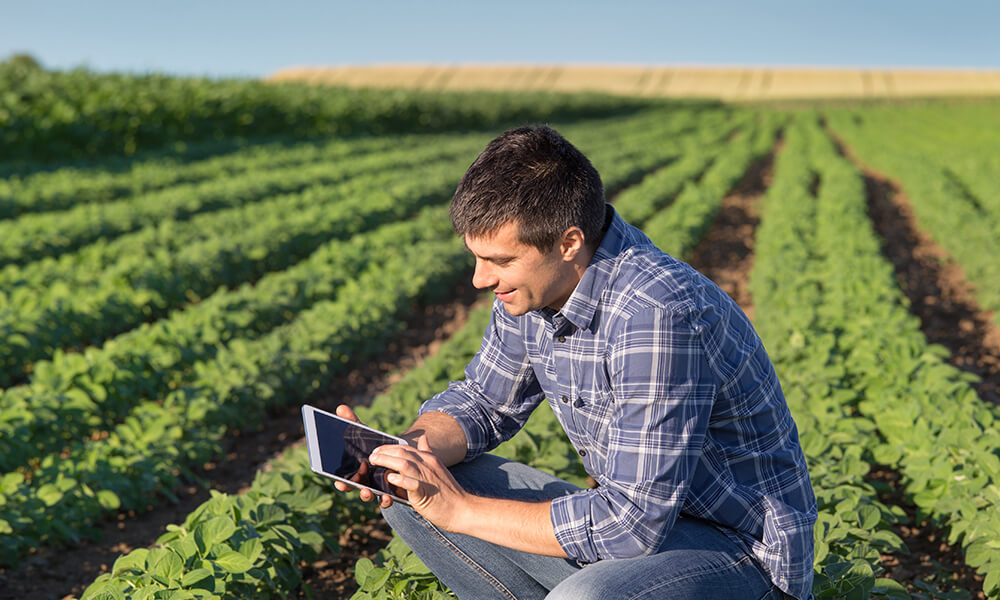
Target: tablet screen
{"points": [[344, 448]]}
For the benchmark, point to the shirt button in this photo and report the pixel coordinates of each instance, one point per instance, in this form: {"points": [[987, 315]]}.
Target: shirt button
{"points": [[583, 453], [564, 399], [562, 339]]}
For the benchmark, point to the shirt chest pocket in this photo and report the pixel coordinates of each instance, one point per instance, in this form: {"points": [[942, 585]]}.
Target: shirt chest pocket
{"points": [[591, 403]]}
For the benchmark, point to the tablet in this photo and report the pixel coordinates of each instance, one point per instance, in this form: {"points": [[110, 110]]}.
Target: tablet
{"points": [[339, 449]]}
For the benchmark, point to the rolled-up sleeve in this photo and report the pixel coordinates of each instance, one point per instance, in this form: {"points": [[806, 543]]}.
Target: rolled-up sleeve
{"points": [[663, 389], [500, 389]]}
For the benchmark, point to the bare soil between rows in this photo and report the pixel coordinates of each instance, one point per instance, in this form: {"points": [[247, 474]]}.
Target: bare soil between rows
{"points": [[936, 287], [56, 573], [943, 300]]}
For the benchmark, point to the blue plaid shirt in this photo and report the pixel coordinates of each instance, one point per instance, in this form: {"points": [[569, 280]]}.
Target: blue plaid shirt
{"points": [[666, 392]]}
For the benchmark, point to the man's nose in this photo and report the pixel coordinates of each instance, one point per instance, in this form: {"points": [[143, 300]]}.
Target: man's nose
{"points": [[483, 277]]}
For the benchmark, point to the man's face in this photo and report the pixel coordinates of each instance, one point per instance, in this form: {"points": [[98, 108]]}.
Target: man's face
{"points": [[521, 276]]}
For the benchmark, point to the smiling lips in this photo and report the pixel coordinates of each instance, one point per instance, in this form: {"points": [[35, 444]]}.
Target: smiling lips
{"points": [[504, 296]]}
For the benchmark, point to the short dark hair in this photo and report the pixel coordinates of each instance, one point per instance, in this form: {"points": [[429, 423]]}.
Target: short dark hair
{"points": [[534, 177]]}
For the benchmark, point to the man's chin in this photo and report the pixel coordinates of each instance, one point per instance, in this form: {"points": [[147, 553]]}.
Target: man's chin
{"points": [[514, 310]]}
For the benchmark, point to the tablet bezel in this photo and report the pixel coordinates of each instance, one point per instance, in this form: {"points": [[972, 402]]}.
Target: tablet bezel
{"points": [[312, 442]]}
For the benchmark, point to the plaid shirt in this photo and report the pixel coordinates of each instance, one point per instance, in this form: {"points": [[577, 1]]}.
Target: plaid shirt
{"points": [[668, 395]]}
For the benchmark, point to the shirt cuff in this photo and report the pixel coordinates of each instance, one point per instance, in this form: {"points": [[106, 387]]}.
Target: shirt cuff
{"points": [[572, 524], [475, 436]]}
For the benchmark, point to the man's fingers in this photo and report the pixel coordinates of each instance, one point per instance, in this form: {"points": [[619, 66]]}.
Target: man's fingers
{"points": [[346, 412], [400, 463], [403, 482]]}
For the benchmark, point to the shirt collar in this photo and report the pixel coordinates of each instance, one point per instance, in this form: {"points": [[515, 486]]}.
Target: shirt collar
{"points": [[582, 303]]}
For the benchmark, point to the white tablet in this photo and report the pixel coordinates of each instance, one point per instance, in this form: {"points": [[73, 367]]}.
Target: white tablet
{"points": [[339, 449]]}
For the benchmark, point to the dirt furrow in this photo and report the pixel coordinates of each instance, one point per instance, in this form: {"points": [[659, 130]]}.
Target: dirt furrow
{"points": [[943, 300], [54, 573], [725, 253], [934, 283], [931, 559]]}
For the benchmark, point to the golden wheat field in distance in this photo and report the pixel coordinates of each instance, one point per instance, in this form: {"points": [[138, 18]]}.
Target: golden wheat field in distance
{"points": [[736, 83]]}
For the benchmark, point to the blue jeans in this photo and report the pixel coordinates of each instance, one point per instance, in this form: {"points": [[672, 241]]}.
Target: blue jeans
{"points": [[696, 561]]}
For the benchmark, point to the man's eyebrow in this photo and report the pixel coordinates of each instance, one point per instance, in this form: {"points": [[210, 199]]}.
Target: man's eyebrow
{"points": [[497, 258]]}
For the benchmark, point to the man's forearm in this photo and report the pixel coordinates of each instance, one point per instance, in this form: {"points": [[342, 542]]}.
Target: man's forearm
{"points": [[524, 526], [444, 434]]}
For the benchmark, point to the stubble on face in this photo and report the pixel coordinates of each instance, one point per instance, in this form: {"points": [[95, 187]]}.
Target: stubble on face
{"points": [[520, 276]]}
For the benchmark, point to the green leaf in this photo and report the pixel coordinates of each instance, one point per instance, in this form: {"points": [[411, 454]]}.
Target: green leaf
{"points": [[233, 562], [252, 549], [169, 568], [196, 577], [376, 579], [103, 591], [269, 513], [891, 589], [977, 554], [413, 565], [992, 582], [214, 531], [49, 494], [869, 517], [134, 560], [362, 569], [108, 500]]}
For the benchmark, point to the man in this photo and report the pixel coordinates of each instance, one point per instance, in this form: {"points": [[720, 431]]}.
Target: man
{"points": [[659, 381]]}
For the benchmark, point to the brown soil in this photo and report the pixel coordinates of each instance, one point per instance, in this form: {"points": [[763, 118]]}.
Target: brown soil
{"points": [[54, 573], [930, 557], [332, 576], [935, 285], [943, 300], [725, 254]]}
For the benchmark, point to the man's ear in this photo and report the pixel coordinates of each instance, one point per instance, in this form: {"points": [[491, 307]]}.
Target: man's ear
{"points": [[571, 243]]}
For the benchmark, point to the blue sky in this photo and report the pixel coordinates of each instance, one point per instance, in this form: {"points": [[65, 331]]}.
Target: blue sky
{"points": [[254, 38]]}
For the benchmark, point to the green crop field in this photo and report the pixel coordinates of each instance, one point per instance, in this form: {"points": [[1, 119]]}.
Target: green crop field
{"points": [[184, 262]]}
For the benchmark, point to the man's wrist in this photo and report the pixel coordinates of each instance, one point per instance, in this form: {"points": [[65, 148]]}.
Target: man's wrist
{"points": [[468, 512]]}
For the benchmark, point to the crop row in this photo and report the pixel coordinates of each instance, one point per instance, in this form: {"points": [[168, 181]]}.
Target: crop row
{"points": [[963, 144], [77, 393], [931, 425], [107, 181], [41, 274], [113, 179], [36, 236], [694, 208], [965, 224], [50, 234], [161, 439], [153, 278], [788, 283]]}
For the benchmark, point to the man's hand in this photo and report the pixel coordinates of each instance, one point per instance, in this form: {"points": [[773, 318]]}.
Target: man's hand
{"points": [[346, 412], [430, 487]]}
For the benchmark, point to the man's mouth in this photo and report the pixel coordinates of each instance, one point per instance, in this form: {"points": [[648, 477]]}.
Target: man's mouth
{"points": [[504, 296]]}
